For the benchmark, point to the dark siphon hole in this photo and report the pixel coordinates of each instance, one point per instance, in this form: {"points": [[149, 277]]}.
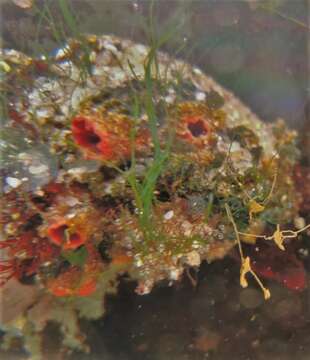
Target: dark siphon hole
{"points": [[92, 138], [197, 129], [163, 196]]}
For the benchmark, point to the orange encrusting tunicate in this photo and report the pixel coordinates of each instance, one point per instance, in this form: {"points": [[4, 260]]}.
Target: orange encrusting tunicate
{"points": [[72, 282], [78, 281]]}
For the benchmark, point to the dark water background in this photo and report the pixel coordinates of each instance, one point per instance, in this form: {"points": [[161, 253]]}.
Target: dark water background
{"points": [[263, 57]]}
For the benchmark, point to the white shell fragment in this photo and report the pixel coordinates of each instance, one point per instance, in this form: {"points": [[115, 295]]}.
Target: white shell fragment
{"points": [[169, 215], [13, 182]]}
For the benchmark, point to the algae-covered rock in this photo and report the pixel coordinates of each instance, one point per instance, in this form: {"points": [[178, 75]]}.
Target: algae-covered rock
{"points": [[159, 169]]}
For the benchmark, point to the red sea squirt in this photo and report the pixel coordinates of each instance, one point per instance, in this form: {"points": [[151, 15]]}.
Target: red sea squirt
{"points": [[106, 136], [62, 234], [197, 126], [198, 123], [95, 141], [99, 138]]}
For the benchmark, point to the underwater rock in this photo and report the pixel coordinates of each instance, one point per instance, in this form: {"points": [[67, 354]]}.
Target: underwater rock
{"points": [[175, 171]]}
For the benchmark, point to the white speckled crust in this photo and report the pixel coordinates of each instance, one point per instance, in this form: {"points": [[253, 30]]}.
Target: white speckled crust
{"points": [[237, 112], [111, 69]]}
